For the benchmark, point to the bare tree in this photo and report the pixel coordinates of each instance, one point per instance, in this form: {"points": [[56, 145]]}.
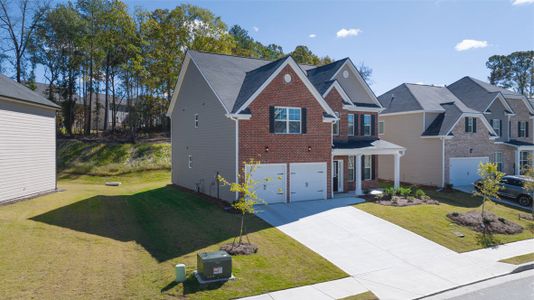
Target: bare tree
{"points": [[20, 26]]}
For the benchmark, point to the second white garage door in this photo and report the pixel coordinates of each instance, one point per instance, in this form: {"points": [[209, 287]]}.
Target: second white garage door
{"points": [[307, 181], [464, 170], [270, 182]]}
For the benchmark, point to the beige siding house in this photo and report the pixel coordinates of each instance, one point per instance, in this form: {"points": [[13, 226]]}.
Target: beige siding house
{"points": [[27, 142], [449, 131]]}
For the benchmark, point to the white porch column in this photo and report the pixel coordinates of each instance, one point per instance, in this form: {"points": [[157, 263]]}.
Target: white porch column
{"points": [[517, 162], [396, 178], [358, 180]]}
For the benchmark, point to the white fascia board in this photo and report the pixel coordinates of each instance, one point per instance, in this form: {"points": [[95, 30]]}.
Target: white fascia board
{"points": [[239, 116], [360, 79], [364, 151], [404, 113], [330, 120], [364, 109], [445, 137], [185, 65], [503, 101], [291, 62], [479, 116], [340, 90]]}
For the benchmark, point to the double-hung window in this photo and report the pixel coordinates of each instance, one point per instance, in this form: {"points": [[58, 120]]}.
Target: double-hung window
{"points": [[524, 161], [287, 120], [498, 160], [190, 162], [367, 127], [470, 125], [380, 127], [522, 129], [336, 125], [351, 168], [367, 167], [350, 121], [496, 124], [196, 120]]}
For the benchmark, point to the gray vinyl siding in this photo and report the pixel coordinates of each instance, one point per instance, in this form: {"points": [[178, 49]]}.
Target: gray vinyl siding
{"points": [[497, 112], [429, 118], [354, 89], [27, 150], [211, 145]]}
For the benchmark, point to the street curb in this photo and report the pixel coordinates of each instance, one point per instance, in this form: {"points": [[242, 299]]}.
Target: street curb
{"points": [[519, 269]]}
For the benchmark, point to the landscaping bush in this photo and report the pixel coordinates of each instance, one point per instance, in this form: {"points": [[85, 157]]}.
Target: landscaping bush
{"points": [[390, 191], [405, 191], [420, 194]]}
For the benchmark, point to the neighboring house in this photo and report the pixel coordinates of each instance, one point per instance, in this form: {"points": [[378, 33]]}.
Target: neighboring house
{"points": [[448, 131], [313, 129], [27, 142]]}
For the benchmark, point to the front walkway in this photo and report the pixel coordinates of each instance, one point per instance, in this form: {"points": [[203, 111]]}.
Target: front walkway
{"points": [[386, 259]]}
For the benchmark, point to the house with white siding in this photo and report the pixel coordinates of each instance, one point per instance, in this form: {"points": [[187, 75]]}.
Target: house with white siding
{"points": [[27, 142]]}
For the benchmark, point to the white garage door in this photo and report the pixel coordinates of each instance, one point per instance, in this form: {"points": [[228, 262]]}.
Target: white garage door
{"points": [[464, 170], [27, 150], [307, 181], [270, 182]]}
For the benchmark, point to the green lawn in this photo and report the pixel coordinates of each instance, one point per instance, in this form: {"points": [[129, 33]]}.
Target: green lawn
{"points": [[93, 241], [431, 222], [518, 260]]}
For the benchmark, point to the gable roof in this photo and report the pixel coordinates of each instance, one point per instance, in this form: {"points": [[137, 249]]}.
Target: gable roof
{"points": [[321, 77], [445, 121], [16, 91]]}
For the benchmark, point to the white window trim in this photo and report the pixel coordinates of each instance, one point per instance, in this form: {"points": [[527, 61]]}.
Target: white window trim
{"points": [[351, 131], [522, 129], [470, 125], [370, 125], [196, 120], [190, 162], [370, 167], [287, 120], [381, 132], [336, 124]]}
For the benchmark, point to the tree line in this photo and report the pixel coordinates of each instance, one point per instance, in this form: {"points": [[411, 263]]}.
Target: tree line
{"points": [[514, 71], [97, 56]]}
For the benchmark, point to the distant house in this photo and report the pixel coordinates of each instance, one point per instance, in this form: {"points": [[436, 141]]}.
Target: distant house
{"points": [[27, 142]]}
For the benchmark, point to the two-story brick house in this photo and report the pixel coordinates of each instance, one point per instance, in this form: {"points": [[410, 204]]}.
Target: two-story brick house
{"points": [[448, 131], [312, 129]]}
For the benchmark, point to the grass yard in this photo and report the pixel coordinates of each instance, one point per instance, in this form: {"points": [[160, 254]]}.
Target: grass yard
{"points": [[431, 222], [518, 260], [93, 241], [362, 296]]}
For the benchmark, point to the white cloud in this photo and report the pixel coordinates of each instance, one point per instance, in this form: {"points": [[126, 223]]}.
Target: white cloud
{"points": [[521, 2], [256, 29], [470, 44], [343, 33], [312, 36]]}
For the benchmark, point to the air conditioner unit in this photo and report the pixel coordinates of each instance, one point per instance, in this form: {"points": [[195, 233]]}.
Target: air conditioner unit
{"points": [[214, 265]]}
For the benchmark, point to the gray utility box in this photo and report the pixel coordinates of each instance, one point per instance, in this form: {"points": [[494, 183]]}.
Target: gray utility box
{"points": [[214, 265]]}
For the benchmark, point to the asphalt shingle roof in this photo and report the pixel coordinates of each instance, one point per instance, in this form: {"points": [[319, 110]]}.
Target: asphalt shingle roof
{"points": [[321, 76], [14, 90], [444, 121]]}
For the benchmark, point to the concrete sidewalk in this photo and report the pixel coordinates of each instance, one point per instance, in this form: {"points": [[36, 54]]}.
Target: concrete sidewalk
{"points": [[382, 257], [503, 251]]}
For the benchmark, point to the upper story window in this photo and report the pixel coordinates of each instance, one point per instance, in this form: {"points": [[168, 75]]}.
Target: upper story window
{"points": [[470, 124], [190, 162], [522, 129], [196, 120], [367, 127], [287, 120], [380, 127], [497, 126], [350, 126], [336, 125]]}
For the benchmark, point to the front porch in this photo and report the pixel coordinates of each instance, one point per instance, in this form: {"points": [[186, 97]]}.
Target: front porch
{"points": [[354, 164], [523, 155]]}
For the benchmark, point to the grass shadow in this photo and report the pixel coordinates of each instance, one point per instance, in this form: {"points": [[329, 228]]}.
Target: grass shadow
{"points": [[166, 221]]}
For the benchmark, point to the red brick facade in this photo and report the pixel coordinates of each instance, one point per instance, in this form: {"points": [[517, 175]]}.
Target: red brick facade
{"points": [[255, 136]]}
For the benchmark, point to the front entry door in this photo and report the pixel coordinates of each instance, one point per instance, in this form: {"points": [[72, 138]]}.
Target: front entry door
{"points": [[337, 174]]}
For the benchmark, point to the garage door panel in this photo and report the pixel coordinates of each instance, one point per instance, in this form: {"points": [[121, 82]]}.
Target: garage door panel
{"points": [[464, 170], [308, 181], [270, 181]]}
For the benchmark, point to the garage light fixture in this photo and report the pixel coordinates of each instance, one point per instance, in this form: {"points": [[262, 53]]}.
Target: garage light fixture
{"points": [[266, 148], [309, 148]]}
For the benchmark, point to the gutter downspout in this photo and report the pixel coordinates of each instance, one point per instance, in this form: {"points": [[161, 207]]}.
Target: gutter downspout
{"points": [[236, 152], [442, 162]]}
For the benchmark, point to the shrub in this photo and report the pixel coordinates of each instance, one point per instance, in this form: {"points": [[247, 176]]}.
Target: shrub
{"points": [[390, 191], [405, 191], [420, 194], [410, 199]]}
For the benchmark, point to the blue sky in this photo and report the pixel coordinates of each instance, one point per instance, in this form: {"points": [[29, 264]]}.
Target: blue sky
{"points": [[402, 41]]}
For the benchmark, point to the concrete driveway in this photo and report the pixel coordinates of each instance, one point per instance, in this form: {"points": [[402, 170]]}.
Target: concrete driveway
{"points": [[392, 262]]}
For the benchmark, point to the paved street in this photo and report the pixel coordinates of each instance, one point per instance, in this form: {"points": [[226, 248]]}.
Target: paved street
{"points": [[392, 262]]}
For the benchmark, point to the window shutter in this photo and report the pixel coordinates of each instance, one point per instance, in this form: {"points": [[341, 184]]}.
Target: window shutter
{"points": [[466, 124], [526, 129], [474, 125], [356, 126], [491, 123], [373, 168], [518, 128], [304, 120], [363, 165], [500, 127], [271, 119], [373, 125], [361, 125]]}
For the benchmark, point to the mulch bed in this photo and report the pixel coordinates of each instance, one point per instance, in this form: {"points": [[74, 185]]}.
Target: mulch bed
{"points": [[493, 224], [240, 249], [529, 217], [400, 202]]}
